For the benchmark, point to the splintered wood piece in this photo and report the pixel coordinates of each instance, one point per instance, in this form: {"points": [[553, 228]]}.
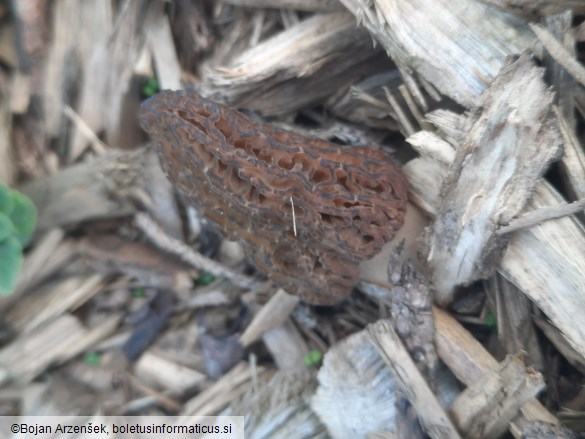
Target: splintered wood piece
{"points": [[83, 192], [560, 53], [273, 314], [431, 415], [486, 407], [545, 262], [167, 374], [513, 137], [293, 69], [541, 8], [287, 346], [459, 49], [8, 168], [469, 360], [35, 310], [515, 319], [279, 407], [217, 396], [57, 341], [357, 392], [108, 253], [160, 40], [306, 211], [300, 5]]}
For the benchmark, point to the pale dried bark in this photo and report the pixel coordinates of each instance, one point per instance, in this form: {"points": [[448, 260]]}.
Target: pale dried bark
{"points": [[77, 28], [514, 317], [539, 7], [365, 103], [212, 400], [300, 5], [544, 259], [486, 407], [279, 408], [271, 315], [84, 191], [357, 392], [49, 302], [513, 138], [295, 68], [432, 416], [159, 371], [57, 341], [287, 347], [107, 100], [7, 168], [469, 361], [160, 42], [457, 47]]}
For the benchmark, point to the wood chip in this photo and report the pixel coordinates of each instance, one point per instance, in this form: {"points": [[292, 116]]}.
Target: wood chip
{"points": [[432, 416], [272, 314], [513, 138], [486, 407], [295, 68], [460, 53]]}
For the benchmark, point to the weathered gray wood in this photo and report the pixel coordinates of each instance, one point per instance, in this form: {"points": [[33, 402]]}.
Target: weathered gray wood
{"points": [[469, 360], [485, 409], [375, 113], [514, 317], [539, 7], [301, 5], [458, 47], [297, 67], [513, 138], [278, 408], [432, 416], [7, 168], [545, 262], [84, 191], [572, 164], [357, 392]]}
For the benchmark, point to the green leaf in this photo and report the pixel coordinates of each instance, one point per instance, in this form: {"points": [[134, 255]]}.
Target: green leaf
{"points": [[10, 262], [6, 200], [23, 217], [6, 227]]}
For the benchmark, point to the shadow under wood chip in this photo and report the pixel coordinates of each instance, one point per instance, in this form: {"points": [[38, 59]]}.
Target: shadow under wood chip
{"points": [[149, 325], [222, 351]]}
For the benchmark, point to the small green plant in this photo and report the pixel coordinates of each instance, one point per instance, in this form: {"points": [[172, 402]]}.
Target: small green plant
{"points": [[313, 358], [150, 87], [490, 321], [18, 217], [138, 293], [205, 279], [92, 358]]}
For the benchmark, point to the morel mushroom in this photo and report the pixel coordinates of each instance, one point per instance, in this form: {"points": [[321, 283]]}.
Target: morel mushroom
{"points": [[249, 178]]}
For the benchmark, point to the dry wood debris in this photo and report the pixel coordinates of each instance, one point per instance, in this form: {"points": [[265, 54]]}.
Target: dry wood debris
{"points": [[512, 138], [477, 98]]}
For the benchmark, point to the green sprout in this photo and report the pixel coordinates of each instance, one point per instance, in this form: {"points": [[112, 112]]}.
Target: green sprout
{"points": [[92, 358], [313, 358], [150, 87], [18, 217], [138, 293], [205, 279], [490, 321]]}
